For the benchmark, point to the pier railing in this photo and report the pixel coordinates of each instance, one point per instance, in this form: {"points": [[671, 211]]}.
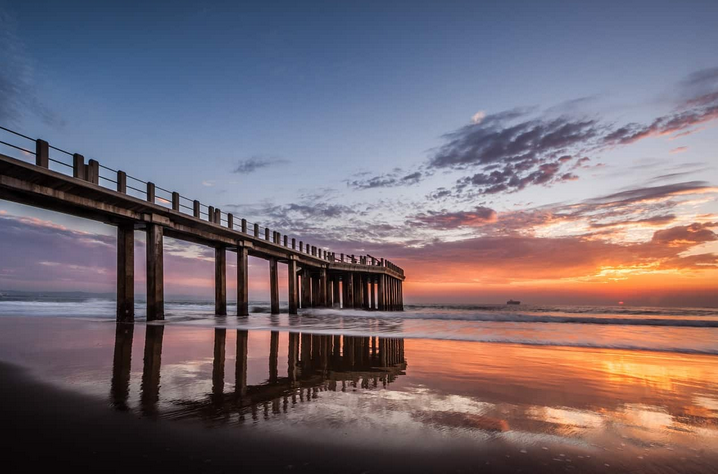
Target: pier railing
{"points": [[61, 161]]}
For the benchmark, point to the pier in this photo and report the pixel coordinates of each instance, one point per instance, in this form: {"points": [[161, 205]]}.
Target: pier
{"points": [[41, 175]]}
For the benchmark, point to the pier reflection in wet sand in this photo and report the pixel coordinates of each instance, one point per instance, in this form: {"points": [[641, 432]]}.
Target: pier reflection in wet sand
{"points": [[315, 364]]}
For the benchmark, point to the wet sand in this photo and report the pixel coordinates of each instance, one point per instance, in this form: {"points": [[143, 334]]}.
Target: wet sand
{"points": [[101, 397]]}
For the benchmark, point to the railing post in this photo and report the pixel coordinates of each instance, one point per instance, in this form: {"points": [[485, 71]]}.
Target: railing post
{"points": [[196, 209], [218, 216], [286, 241], [301, 246], [294, 243], [93, 172], [210, 213], [266, 234], [230, 221], [122, 182], [42, 153], [244, 226], [151, 192], [175, 201], [78, 166], [256, 230]]}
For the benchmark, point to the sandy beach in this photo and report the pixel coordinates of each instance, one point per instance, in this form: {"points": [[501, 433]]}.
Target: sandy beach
{"points": [[99, 396]]}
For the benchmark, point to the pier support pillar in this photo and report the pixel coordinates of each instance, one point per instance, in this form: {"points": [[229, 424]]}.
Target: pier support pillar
{"points": [[365, 286], [372, 295], [125, 273], [350, 290], [242, 281], [273, 286], [292, 279], [323, 294], [381, 292], [306, 290], [335, 290], [220, 281], [155, 273]]}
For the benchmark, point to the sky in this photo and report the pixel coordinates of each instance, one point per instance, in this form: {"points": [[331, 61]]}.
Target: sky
{"points": [[552, 152]]}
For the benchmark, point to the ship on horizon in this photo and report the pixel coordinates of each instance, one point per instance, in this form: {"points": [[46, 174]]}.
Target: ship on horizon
{"points": [[513, 302]]}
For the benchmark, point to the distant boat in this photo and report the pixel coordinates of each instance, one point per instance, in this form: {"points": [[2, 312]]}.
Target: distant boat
{"points": [[513, 302]]}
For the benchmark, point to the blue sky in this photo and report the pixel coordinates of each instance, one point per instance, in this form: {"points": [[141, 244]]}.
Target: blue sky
{"points": [[330, 95]]}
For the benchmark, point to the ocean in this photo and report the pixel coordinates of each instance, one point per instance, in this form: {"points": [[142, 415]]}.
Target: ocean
{"points": [[681, 330]]}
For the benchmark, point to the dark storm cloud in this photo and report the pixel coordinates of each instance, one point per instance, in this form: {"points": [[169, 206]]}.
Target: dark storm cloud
{"points": [[255, 163]]}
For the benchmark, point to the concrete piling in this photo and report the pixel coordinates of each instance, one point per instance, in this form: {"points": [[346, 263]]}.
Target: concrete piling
{"points": [[220, 281], [292, 286], [242, 280], [274, 286], [125, 272], [155, 269]]}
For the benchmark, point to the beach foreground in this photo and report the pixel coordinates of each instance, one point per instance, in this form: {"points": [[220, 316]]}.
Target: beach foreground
{"points": [[98, 396]]}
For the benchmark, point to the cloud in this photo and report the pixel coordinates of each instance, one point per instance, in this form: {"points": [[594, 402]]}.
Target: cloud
{"points": [[478, 116], [699, 105], [388, 180], [686, 235], [653, 193], [650, 221], [679, 149], [255, 163], [514, 149], [452, 220]]}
